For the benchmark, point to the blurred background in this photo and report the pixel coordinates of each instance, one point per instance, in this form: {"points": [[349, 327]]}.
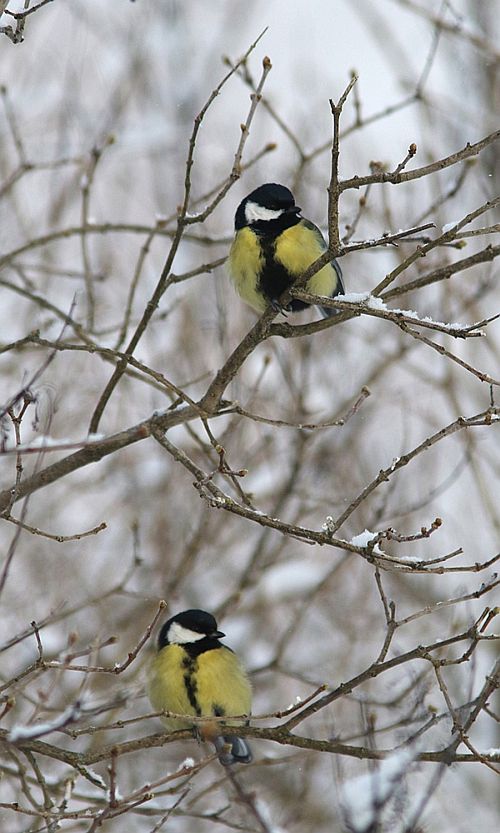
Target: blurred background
{"points": [[98, 104]]}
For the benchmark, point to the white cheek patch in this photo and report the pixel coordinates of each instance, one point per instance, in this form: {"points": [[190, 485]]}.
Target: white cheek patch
{"points": [[255, 212], [177, 635]]}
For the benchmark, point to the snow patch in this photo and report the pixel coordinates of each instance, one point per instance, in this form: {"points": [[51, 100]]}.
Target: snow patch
{"points": [[187, 763], [364, 538], [353, 297]]}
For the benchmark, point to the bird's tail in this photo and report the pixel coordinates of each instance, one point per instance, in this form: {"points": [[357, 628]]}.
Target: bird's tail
{"points": [[232, 750], [328, 312]]}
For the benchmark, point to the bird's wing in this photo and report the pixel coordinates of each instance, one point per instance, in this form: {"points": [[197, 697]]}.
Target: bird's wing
{"points": [[317, 232], [340, 289]]}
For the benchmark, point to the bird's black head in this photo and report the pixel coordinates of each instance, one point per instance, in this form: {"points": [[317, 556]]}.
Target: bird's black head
{"points": [[191, 627], [268, 210]]}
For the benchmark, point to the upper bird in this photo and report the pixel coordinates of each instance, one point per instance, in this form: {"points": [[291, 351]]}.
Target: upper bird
{"points": [[273, 245], [194, 674]]}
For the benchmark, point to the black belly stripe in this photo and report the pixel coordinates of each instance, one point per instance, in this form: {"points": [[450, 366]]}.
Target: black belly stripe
{"points": [[274, 278], [191, 665]]}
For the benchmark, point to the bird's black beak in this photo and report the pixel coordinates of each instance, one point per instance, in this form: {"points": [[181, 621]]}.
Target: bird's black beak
{"points": [[216, 635], [294, 209]]}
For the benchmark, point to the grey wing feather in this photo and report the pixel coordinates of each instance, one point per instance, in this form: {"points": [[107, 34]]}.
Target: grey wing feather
{"points": [[317, 232]]}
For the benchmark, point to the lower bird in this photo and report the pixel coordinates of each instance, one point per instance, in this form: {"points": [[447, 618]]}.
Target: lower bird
{"points": [[194, 675], [273, 245]]}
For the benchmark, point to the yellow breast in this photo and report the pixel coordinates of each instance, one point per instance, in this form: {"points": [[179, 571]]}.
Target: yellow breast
{"points": [[245, 263], [296, 248], [214, 683]]}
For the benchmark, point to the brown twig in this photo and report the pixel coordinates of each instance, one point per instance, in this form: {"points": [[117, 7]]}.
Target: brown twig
{"points": [[183, 220]]}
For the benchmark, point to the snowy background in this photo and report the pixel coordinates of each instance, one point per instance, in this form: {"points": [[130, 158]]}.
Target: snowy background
{"points": [[129, 78]]}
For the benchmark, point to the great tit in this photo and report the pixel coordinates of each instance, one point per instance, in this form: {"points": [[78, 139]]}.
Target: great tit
{"points": [[273, 245], [194, 674]]}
